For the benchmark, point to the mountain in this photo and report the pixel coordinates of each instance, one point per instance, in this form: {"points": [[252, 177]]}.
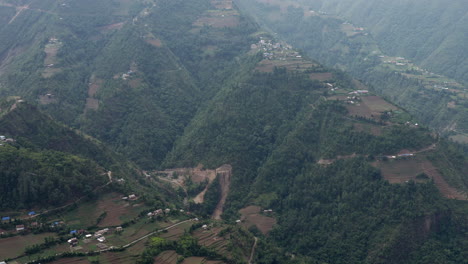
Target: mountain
{"points": [[429, 32], [351, 45], [48, 164], [251, 150]]}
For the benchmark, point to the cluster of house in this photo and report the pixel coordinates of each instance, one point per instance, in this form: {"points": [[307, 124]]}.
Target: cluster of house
{"points": [[399, 61], [131, 197], [331, 87], [359, 92], [6, 140], [127, 75], [99, 235], [272, 50], [352, 99], [405, 155], [160, 212], [357, 29]]}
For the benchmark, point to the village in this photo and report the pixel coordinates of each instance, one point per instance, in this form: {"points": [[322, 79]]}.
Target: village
{"points": [[274, 50]]}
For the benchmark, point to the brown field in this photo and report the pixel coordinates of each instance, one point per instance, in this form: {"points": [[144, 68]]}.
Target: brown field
{"points": [[135, 83], [377, 104], [117, 210], [166, 257], [218, 22], [49, 72], [460, 138], [94, 85], [51, 53], [370, 107], [222, 4], [368, 128], [282, 4], [14, 246], [251, 216], [210, 238], [292, 64], [176, 232], [401, 171], [111, 27], [117, 258], [321, 76], [81, 260], [154, 42], [92, 103], [45, 99]]}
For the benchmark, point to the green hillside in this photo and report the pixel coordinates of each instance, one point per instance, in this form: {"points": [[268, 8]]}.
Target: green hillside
{"points": [[48, 164], [171, 131], [436, 100]]}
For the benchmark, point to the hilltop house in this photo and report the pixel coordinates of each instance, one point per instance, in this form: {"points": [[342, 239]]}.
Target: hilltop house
{"points": [[20, 228]]}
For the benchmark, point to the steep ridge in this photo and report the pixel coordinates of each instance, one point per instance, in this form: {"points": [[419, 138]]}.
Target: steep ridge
{"points": [[46, 160]]}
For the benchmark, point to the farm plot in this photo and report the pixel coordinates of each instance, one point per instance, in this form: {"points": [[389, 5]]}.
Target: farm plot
{"points": [[460, 138], [404, 170], [167, 257], [291, 64], [321, 76], [14, 246], [46, 99], [117, 258], [108, 28], [222, 4], [81, 260], [51, 49], [210, 238], [251, 216], [368, 128], [115, 209], [218, 19], [370, 107], [176, 232], [200, 260]]}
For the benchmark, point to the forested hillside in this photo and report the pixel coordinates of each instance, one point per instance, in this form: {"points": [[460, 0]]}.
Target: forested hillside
{"points": [[435, 100], [46, 164], [123, 72], [430, 32], [289, 161]]}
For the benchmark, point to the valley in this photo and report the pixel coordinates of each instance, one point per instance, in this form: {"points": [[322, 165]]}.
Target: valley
{"points": [[209, 131]]}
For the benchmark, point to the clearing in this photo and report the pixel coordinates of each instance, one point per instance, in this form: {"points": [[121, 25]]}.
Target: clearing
{"points": [[51, 49], [178, 176], [321, 76], [370, 107], [211, 238], [11, 247], [290, 64], [222, 4], [251, 216], [225, 173], [368, 128], [404, 170], [167, 257], [82, 260], [218, 19], [117, 211], [108, 28]]}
